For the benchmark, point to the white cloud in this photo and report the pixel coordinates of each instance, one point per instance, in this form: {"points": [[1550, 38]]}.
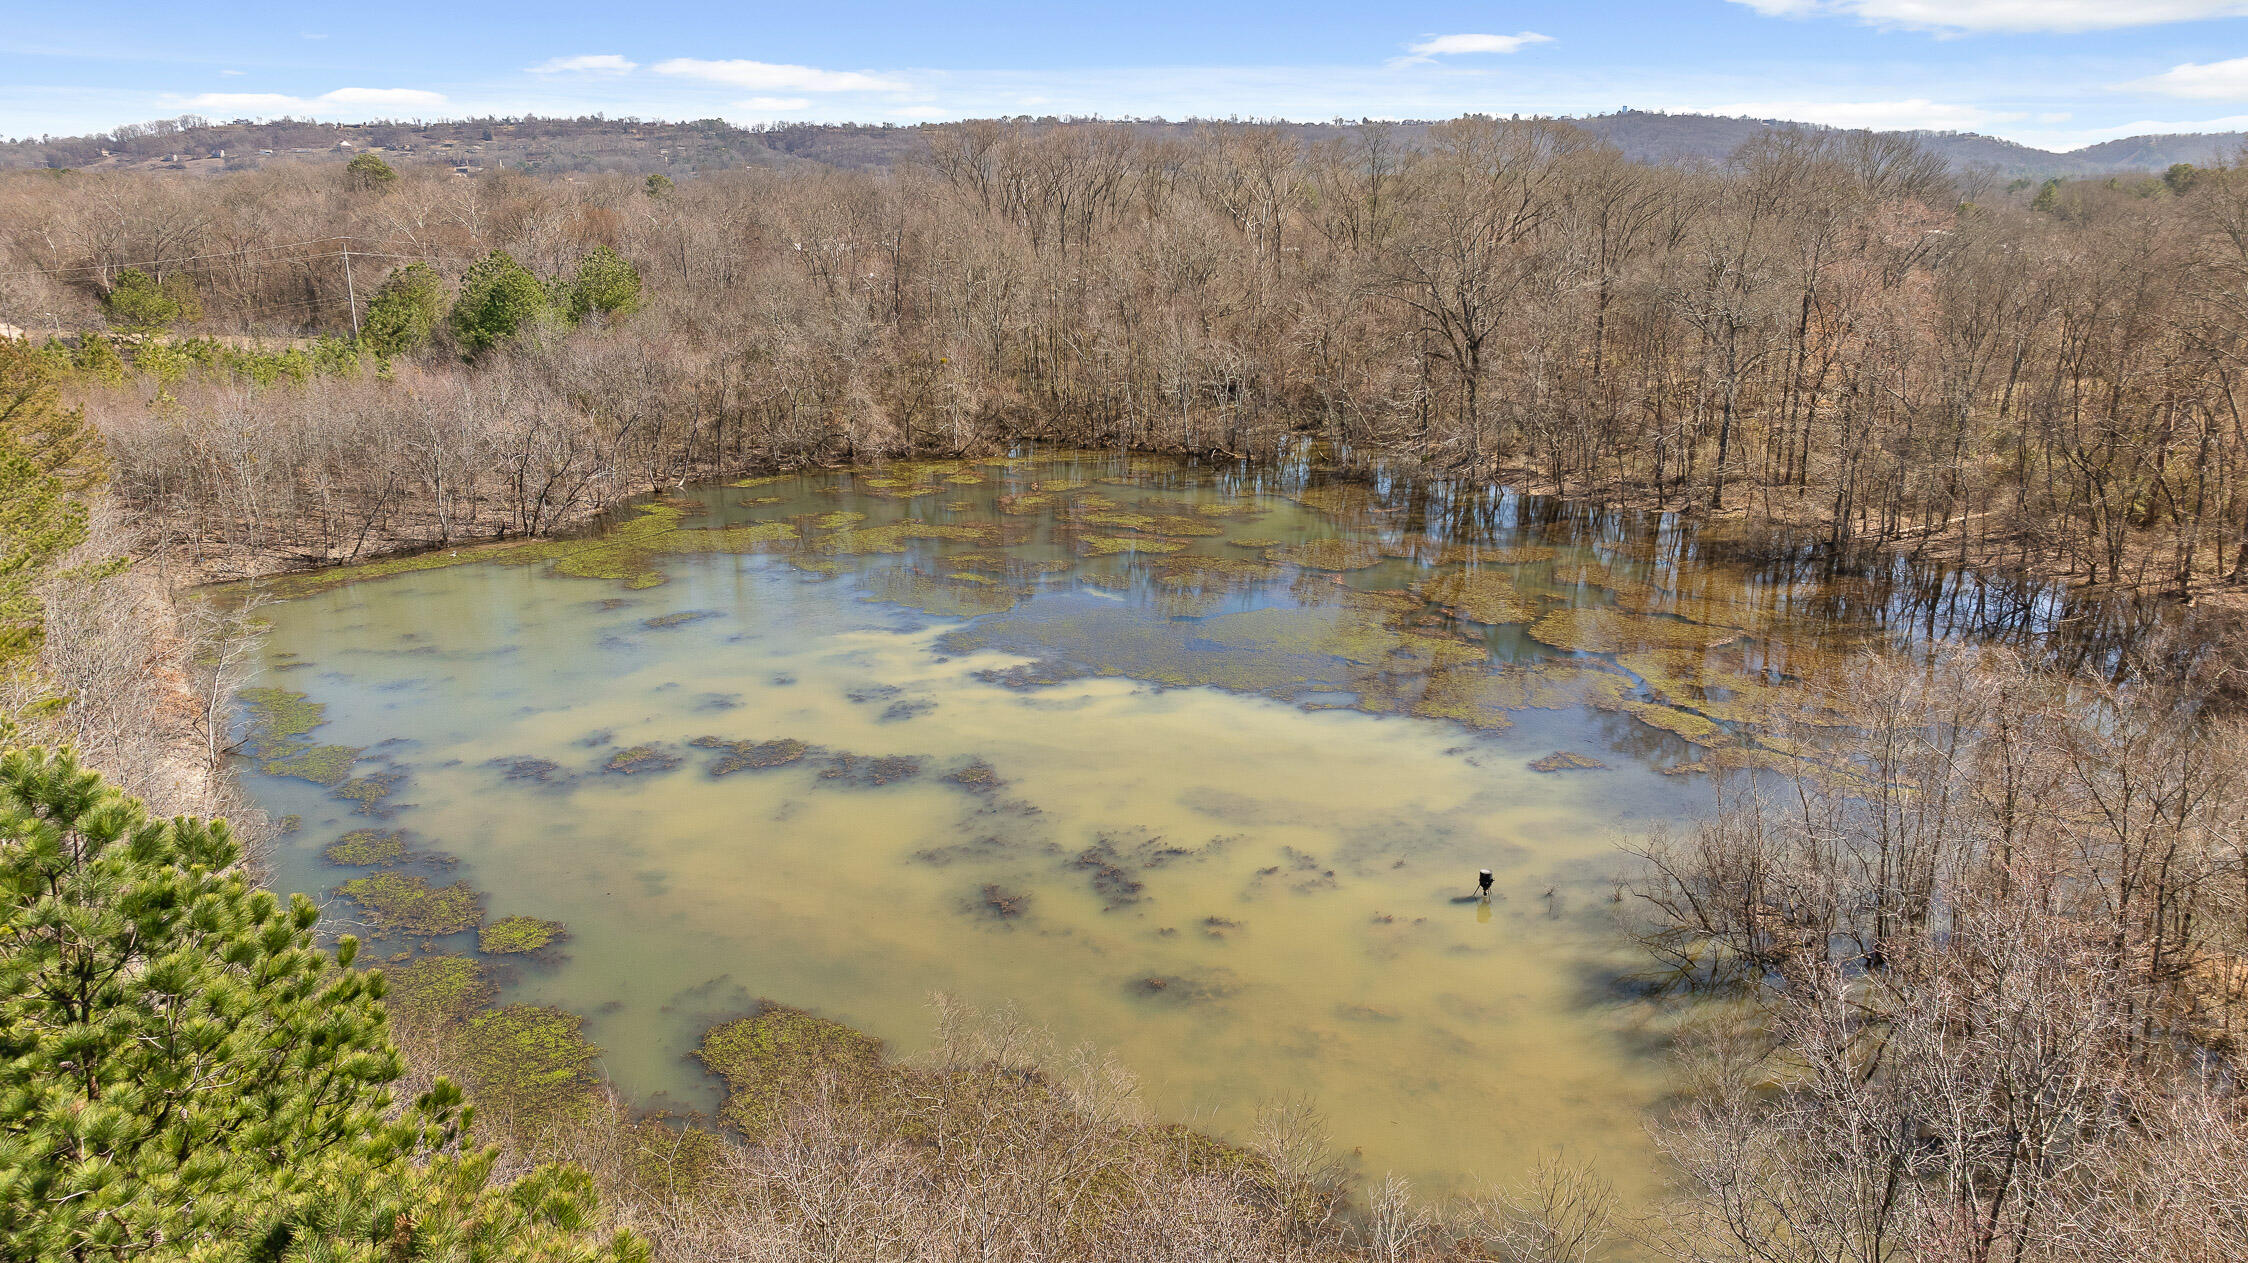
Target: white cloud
{"points": [[2202, 81], [585, 64], [921, 111], [1915, 114], [775, 103], [340, 101], [229, 74], [1449, 45], [2057, 116], [2006, 15], [774, 76]]}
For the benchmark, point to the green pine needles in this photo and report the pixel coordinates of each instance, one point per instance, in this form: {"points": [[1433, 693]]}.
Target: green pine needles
{"points": [[185, 1075]]}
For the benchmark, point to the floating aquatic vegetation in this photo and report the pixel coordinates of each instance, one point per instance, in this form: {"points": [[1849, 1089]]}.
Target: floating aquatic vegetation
{"points": [[286, 825], [1220, 572], [1167, 524], [766, 480], [833, 520], [637, 760], [278, 721], [1566, 761], [1328, 554], [1025, 503], [751, 502], [410, 905], [1723, 686], [1051, 485], [1256, 541], [745, 755], [370, 790], [999, 903], [862, 771], [526, 768], [322, 765], [678, 619], [1351, 502], [1698, 729], [1229, 508], [518, 934], [826, 567], [631, 551], [965, 595], [978, 776], [1484, 596], [1480, 697], [1195, 988], [526, 1060], [892, 537], [1112, 545], [365, 848], [772, 1056], [1586, 629], [433, 990], [959, 506]]}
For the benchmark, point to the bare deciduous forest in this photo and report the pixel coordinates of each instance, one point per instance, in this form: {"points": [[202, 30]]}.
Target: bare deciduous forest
{"points": [[1988, 963]]}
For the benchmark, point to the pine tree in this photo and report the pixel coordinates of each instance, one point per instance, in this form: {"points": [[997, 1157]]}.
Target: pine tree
{"points": [[184, 1074], [405, 311], [48, 453], [499, 298], [605, 283]]}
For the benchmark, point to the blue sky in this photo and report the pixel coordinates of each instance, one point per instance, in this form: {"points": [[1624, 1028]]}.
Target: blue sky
{"points": [[2055, 73]]}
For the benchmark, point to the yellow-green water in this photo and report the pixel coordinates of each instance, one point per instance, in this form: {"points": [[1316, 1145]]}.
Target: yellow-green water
{"points": [[1205, 762]]}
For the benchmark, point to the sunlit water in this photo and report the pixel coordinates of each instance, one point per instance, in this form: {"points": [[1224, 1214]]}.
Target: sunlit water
{"points": [[1216, 816]]}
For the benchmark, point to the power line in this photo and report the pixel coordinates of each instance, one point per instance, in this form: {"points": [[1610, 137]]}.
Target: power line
{"points": [[229, 254]]}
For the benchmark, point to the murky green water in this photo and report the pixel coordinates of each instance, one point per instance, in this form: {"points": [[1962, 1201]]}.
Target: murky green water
{"points": [[1192, 763]]}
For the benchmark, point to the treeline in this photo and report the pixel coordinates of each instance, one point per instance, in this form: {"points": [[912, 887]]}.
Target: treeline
{"points": [[1819, 333]]}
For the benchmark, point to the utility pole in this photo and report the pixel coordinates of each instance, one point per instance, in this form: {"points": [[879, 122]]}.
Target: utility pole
{"points": [[351, 293]]}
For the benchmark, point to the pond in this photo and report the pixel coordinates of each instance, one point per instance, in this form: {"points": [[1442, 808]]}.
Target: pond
{"points": [[1193, 762]]}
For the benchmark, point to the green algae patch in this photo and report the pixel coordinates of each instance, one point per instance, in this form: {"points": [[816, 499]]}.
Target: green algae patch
{"points": [[322, 765], [518, 934], [833, 520], [765, 480], [641, 760], [740, 756], [314, 582], [1114, 545], [278, 721], [1177, 525], [1349, 502], [1584, 629], [1566, 761], [1215, 572], [1328, 554], [958, 595], [1698, 729], [369, 790], [783, 1052], [527, 1060], [892, 537], [410, 905], [1482, 697], [1483, 596], [279, 716], [436, 991], [678, 619], [1052, 485], [365, 848]]}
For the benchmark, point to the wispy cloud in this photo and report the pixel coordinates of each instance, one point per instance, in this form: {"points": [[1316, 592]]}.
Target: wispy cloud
{"points": [[2200, 81], [355, 101], [775, 76], [1963, 16], [1434, 46], [782, 103], [585, 64], [1450, 45]]}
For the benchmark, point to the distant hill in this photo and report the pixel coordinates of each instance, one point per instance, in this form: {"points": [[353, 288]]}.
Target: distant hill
{"points": [[564, 145]]}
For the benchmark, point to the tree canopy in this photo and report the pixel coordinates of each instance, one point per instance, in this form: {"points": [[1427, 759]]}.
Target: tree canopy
{"points": [[499, 298], [185, 1074], [405, 311]]}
